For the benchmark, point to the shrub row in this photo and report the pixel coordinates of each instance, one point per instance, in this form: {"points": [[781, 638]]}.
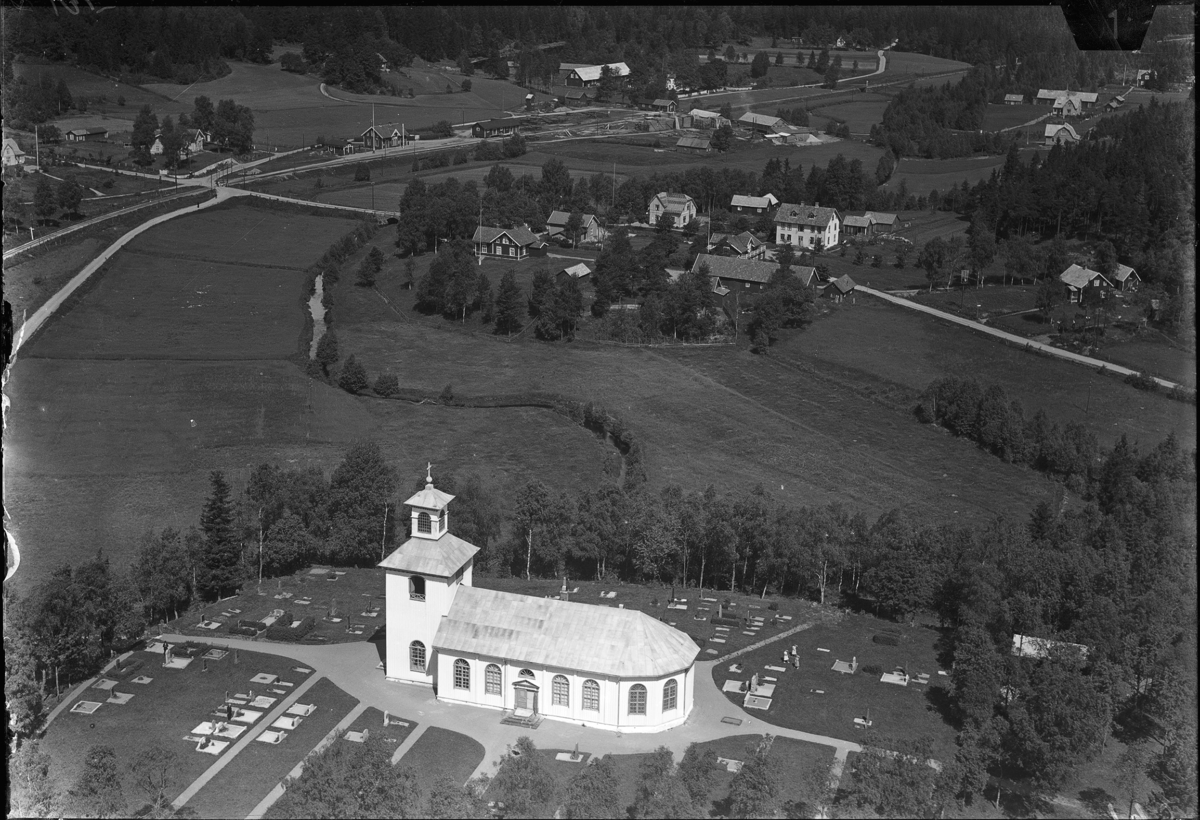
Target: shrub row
{"points": [[872, 669], [244, 627], [717, 620], [886, 640], [586, 414], [329, 265]]}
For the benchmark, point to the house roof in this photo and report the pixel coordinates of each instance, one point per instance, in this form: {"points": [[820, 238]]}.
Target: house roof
{"points": [[1077, 276], [431, 498], [1014, 97], [741, 270], [694, 142], [812, 215], [750, 118], [856, 222], [425, 556], [588, 638], [496, 125], [588, 73], [844, 284], [1052, 130], [573, 92], [577, 271], [520, 235], [94, 130], [559, 218], [743, 242], [700, 112], [1123, 272], [741, 201], [1053, 94], [674, 202], [880, 218], [10, 144], [1027, 646], [663, 103]]}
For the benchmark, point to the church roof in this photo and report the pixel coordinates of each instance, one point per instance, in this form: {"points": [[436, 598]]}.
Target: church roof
{"points": [[425, 556], [431, 498], [587, 638]]}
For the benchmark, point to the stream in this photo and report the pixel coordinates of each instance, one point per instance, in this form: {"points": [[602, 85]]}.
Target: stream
{"points": [[317, 308]]}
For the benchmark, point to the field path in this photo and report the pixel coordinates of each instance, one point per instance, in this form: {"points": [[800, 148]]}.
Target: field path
{"points": [[1020, 341]]}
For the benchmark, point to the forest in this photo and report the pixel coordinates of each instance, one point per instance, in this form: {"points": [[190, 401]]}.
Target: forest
{"points": [[343, 43]]}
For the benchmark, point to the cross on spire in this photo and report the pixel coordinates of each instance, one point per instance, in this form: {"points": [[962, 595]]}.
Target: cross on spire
{"points": [[429, 475]]}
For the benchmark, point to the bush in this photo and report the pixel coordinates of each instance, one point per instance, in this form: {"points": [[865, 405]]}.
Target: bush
{"points": [[387, 385], [447, 395], [1142, 381], [886, 640], [774, 607], [717, 620], [361, 172], [872, 669]]}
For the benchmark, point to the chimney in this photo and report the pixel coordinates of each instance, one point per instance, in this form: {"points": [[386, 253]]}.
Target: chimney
{"points": [[817, 205]]}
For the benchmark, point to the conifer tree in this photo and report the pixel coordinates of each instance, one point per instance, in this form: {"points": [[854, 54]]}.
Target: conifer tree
{"points": [[222, 553], [508, 304]]}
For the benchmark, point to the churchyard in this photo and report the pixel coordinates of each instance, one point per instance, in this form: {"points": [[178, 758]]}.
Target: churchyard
{"points": [[250, 776], [163, 706], [890, 678], [341, 605]]}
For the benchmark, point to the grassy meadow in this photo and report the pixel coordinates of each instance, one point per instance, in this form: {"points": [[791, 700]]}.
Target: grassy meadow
{"points": [[860, 114]]}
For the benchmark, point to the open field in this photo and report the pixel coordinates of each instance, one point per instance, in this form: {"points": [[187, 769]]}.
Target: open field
{"points": [[924, 175], [999, 116], [150, 307], [226, 283], [715, 415], [908, 711], [163, 711], [860, 115], [102, 92], [907, 350], [290, 110], [1154, 354], [237, 789], [30, 280], [136, 454], [903, 62]]}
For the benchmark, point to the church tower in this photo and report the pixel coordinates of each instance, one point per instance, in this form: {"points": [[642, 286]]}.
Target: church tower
{"points": [[423, 575]]}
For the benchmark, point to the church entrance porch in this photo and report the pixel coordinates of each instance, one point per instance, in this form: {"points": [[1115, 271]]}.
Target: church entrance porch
{"points": [[525, 706]]}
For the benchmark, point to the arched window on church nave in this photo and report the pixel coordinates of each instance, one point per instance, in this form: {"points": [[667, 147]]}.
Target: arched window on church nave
{"points": [[591, 696], [559, 691], [462, 674], [423, 523], [637, 699], [670, 695], [416, 588], [416, 656], [491, 679]]}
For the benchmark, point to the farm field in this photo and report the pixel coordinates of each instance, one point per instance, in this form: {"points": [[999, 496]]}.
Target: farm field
{"points": [[714, 415], [290, 110], [924, 175], [151, 307], [908, 351], [1000, 116], [904, 62], [860, 115], [1155, 355], [906, 711], [163, 711]]}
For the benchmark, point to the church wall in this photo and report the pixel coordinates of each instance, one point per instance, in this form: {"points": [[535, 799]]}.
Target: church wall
{"points": [[614, 694], [410, 620]]}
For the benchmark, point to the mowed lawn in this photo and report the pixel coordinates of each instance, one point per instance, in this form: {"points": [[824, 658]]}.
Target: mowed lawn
{"points": [[895, 345], [258, 768], [442, 753], [817, 699], [162, 712]]}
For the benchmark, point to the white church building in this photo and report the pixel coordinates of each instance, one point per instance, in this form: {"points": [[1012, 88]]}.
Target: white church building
{"points": [[531, 657]]}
